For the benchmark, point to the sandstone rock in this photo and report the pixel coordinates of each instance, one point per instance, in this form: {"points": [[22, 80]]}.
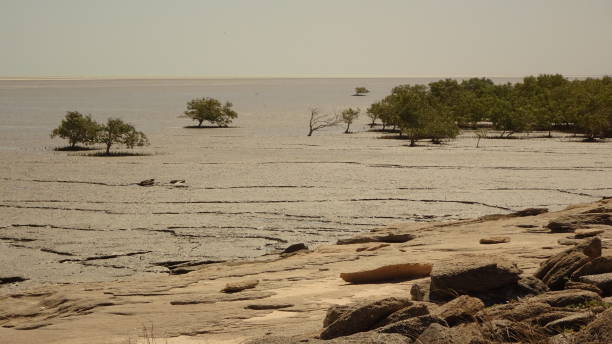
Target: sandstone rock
{"points": [[598, 331], [388, 273], [599, 265], [358, 338], [530, 212], [336, 311], [601, 281], [567, 297], [420, 291], [494, 240], [583, 286], [382, 237], [572, 322], [500, 330], [438, 334], [515, 311], [568, 242], [585, 233], [570, 223], [459, 310], [240, 286], [406, 313], [364, 318], [556, 270], [269, 306], [465, 274], [295, 248], [413, 327]]}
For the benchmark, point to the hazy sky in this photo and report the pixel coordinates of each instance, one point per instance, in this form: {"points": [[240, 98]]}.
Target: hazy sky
{"points": [[311, 37]]}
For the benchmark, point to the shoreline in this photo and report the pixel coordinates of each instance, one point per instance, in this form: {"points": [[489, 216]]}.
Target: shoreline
{"points": [[189, 308]]}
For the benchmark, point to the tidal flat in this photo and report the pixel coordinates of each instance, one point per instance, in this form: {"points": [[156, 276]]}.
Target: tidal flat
{"points": [[249, 190]]}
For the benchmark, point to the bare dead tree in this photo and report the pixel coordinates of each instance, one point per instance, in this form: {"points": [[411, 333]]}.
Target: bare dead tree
{"points": [[320, 121]]}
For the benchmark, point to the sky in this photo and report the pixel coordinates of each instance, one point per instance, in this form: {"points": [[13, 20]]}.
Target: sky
{"points": [[283, 38]]}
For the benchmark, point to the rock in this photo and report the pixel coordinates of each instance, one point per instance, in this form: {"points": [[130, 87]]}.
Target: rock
{"points": [[177, 181], [530, 212], [438, 334], [585, 233], [465, 274], [336, 311], [364, 318], [568, 242], [556, 270], [570, 223], [515, 311], [601, 281], [599, 265], [598, 331], [388, 273], [295, 248], [547, 317], [569, 297], [572, 322], [459, 310], [269, 306], [413, 327], [583, 286], [383, 237], [11, 279], [420, 292], [357, 338], [494, 240], [247, 295], [240, 286], [500, 330], [147, 182], [412, 311]]}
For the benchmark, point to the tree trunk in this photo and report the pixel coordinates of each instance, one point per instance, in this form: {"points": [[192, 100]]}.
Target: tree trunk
{"points": [[108, 146], [478, 142], [347, 128], [200, 123], [310, 132], [412, 142]]}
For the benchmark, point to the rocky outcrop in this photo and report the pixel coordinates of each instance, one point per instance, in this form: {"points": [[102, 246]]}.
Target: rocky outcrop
{"points": [[601, 281], [363, 318], [468, 274], [388, 273], [459, 310], [412, 311], [569, 297], [413, 327], [599, 265], [570, 223], [571, 322], [558, 269], [598, 331], [439, 334], [587, 232]]}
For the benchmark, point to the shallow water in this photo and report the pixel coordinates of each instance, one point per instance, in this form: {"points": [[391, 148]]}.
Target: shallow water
{"points": [[252, 189]]}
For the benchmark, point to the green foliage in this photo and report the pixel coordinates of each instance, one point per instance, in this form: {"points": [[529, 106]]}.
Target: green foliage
{"points": [[116, 131], [361, 91], [545, 102], [210, 110], [348, 116], [77, 129]]}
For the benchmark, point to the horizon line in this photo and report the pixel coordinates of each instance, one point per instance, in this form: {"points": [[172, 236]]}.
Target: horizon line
{"points": [[286, 76]]}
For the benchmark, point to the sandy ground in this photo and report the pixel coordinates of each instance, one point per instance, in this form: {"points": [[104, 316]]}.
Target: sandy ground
{"points": [[68, 218], [190, 308]]}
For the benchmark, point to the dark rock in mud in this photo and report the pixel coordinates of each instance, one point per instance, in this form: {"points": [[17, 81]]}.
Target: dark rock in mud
{"points": [[530, 212], [11, 279], [295, 248], [384, 237]]}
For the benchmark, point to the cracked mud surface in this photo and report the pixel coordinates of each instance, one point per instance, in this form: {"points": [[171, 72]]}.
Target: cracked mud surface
{"points": [[251, 190]]}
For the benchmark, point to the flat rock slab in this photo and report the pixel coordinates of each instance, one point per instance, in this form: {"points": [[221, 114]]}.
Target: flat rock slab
{"points": [[601, 281], [235, 287], [587, 232], [268, 306], [494, 240], [382, 237], [388, 273]]}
